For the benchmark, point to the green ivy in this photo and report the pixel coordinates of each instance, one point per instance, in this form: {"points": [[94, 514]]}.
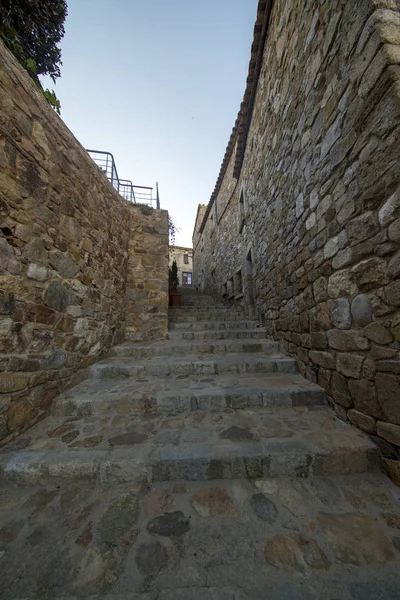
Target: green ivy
{"points": [[52, 100]]}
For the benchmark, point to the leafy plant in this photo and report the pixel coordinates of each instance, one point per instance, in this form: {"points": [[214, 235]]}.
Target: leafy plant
{"points": [[146, 209], [173, 276], [172, 229], [53, 100], [31, 29]]}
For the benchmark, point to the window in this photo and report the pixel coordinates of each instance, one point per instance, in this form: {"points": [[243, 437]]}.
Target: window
{"points": [[241, 212], [231, 289], [186, 258], [187, 279], [225, 289], [212, 226], [238, 281]]}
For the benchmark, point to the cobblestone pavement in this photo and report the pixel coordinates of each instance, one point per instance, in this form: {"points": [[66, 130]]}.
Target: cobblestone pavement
{"points": [[221, 475], [297, 539]]}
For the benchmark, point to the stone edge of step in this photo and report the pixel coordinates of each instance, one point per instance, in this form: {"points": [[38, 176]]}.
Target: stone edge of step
{"points": [[123, 466], [197, 400], [124, 368], [177, 347]]}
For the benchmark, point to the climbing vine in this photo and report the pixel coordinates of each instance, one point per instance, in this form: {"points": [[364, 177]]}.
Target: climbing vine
{"points": [[172, 229]]}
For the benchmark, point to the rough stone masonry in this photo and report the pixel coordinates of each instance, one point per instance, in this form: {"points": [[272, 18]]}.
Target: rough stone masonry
{"points": [[80, 267], [303, 226]]}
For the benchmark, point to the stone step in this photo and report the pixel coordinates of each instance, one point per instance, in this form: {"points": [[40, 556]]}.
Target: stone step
{"points": [[179, 347], [208, 325], [204, 364], [192, 318], [253, 444], [176, 395], [218, 334], [200, 303], [187, 310], [183, 311]]}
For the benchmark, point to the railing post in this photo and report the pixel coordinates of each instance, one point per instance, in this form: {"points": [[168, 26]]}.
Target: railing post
{"points": [[124, 187], [158, 197]]}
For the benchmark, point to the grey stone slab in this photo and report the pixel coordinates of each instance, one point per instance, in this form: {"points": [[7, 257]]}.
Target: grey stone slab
{"points": [[203, 593], [186, 452], [289, 458], [33, 467], [375, 590], [182, 347]]}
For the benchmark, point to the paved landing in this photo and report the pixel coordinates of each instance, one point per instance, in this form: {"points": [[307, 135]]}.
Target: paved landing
{"points": [[278, 539]]}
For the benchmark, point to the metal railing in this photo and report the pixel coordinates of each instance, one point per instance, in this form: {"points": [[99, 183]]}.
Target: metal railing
{"points": [[133, 193]]}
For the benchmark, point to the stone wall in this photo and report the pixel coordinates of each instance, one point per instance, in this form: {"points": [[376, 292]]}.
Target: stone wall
{"points": [[312, 214], [70, 249], [147, 276]]}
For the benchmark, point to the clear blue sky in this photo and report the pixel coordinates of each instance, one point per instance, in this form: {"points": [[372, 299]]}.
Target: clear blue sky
{"points": [[158, 83]]}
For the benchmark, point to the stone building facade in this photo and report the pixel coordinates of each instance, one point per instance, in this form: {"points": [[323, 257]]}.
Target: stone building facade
{"points": [[303, 226], [184, 262], [80, 267]]}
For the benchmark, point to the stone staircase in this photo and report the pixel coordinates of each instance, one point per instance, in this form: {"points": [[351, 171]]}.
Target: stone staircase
{"points": [[215, 401], [199, 468]]}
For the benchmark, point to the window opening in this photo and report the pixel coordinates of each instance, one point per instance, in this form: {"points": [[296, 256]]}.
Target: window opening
{"points": [[231, 289], [241, 212], [187, 279], [238, 282]]}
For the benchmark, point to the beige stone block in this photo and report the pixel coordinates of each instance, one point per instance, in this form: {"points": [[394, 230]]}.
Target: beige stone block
{"points": [[389, 432], [349, 365], [370, 273], [340, 390], [388, 211], [389, 54], [347, 340], [395, 328], [23, 232], [377, 333], [392, 468], [388, 25], [323, 359], [20, 413], [340, 284], [394, 231], [362, 421], [6, 327], [368, 368], [12, 382], [388, 389], [365, 398], [70, 229], [323, 315], [355, 539]]}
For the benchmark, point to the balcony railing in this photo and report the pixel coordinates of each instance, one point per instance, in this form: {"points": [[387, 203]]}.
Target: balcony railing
{"points": [[133, 193]]}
